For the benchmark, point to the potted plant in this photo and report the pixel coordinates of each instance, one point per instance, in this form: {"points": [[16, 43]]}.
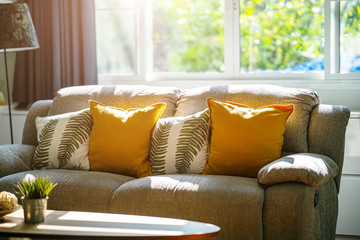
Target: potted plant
{"points": [[34, 193]]}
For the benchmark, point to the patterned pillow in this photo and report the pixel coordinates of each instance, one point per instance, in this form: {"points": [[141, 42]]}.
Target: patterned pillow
{"points": [[63, 141], [180, 144]]}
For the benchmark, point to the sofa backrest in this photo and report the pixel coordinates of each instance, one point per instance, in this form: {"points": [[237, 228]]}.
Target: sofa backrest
{"points": [[72, 99], [189, 101], [304, 100], [38, 109]]}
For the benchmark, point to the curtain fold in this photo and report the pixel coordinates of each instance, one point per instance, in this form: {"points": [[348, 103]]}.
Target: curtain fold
{"points": [[67, 53]]}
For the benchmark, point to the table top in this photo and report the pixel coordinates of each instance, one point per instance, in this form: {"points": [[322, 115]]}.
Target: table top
{"points": [[89, 225]]}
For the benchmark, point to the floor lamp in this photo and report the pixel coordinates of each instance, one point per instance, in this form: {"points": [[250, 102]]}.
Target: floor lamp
{"points": [[17, 33]]}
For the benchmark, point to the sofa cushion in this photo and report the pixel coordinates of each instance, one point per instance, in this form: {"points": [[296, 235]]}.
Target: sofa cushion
{"points": [[63, 141], [76, 190], [233, 203], [255, 96], [180, 144], [120, 139], [243, 139], [72, 99]]}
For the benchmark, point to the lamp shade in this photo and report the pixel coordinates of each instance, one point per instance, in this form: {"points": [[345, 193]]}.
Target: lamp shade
{"points": [[17, 31]]}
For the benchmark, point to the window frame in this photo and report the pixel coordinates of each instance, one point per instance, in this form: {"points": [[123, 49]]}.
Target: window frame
{"points": [[232, 46], [332, 43]]}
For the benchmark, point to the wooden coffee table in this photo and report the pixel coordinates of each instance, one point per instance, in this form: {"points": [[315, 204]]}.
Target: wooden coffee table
{"points": [[88, 225]]}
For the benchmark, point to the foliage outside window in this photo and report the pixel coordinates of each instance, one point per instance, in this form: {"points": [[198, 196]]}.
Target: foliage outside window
{"points": [[139, 37], [188, 36], [281, 35]]}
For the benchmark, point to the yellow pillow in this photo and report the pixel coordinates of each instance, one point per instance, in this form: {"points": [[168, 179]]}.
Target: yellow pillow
{"points": [[120, 139], [243, 139]]}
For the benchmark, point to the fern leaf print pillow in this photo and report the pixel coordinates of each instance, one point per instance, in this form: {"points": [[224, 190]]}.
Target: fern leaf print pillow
{"points": [[63, 141], [180, 144]]}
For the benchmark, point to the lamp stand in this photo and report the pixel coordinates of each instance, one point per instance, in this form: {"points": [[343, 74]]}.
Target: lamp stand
{"points": [[8, 97]]}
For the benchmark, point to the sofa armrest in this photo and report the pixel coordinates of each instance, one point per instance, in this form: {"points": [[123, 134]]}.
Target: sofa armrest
{"points": [[38, 109], [15, 158], [308, 168], [326, 133], [298, 211]]}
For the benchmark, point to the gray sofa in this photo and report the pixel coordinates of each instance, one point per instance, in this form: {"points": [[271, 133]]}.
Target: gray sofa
{"points": [[295, 197]]}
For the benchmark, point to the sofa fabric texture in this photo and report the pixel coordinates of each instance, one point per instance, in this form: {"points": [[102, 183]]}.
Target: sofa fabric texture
{"points": [[293, 197], [327, 133], [308, 168], [76, 98], [235, 201], [307, 211], [38, 109], [15, 158], [77, 190]]}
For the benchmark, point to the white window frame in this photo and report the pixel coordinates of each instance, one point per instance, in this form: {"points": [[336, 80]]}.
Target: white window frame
{"points": [[332, 43], [232, 52], [140, 42]]}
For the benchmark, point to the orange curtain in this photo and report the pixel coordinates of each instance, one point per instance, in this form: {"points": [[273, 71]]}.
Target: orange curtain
{"points": [[67, 53]]}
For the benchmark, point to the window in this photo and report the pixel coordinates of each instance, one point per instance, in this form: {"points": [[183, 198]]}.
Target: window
{"points": [[188, 36], [228, 39], [349, 36], [116, 39], [281, 35], [342, 54]]}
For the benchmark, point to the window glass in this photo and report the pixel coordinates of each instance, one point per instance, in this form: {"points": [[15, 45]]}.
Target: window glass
{"points": [[137, 37], [281, 35], [349, 36], [188, 36], [116, 36]]}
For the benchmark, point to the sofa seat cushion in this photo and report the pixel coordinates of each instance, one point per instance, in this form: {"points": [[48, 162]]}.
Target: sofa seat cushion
{"points": [[72, 99], [230, 202], [76, 190], [295, 136]]}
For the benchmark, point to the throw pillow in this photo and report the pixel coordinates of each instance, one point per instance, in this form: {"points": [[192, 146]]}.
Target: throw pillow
{"points": [[120, 139], [63, 141], [180, 144], [244, 139]]}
